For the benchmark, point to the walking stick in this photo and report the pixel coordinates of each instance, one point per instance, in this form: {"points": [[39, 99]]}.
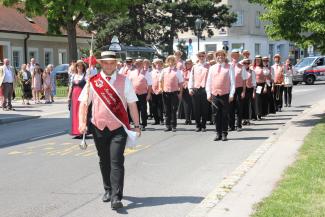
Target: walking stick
{"points": [[83, 145]]}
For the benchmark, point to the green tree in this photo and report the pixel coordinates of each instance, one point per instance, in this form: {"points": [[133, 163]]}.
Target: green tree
{"points": [[66, 14], [158, 22], [299, 21]]}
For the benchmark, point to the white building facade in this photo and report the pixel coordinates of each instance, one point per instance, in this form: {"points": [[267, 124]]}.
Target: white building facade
{"points": [[248, 33]]}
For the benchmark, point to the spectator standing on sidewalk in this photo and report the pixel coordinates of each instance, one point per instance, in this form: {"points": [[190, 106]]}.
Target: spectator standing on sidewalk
{"points": [[53, 82], [37, 83], [30, 67], [47, 85], [1, 94], [7, 82], [288, 83], [25, 79], [78, 81]]}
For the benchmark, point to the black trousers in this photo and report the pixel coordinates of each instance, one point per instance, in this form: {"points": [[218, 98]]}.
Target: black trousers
{"points": [[170, 101], [236, 107], [278, 96], [142, 108], [7, 91], [221, 115], [248, 104], [287, 95], [187, 104], [261, 101], [270, 100], [200, 107], [157, 108], [110, 147]]}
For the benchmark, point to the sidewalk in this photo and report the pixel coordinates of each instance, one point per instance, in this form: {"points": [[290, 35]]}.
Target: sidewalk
{"points": [[256, 177], [33, 111]]}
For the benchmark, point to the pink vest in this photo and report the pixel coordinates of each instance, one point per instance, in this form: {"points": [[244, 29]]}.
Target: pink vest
{"points": [[155, 74], [260, 77], [170, 80], [238, 75], [249, 81], [101, 117], [186, 76], [220, 80], [180, 65], [139, 81], [278, 74], [200, 75]]}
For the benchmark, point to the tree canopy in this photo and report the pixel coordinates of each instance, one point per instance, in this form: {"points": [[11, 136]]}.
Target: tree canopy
{"points": [[298, 21], [158, 22]]}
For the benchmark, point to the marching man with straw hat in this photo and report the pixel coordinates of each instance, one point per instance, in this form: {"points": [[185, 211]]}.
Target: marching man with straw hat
{"points": [[278, 72], [110, 94], [220, 88]]}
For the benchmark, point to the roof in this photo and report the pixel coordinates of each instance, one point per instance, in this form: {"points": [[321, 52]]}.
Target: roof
{"points": [[12, 20]]}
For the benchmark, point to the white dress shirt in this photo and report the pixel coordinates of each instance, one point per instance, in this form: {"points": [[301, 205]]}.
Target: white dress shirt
{"points": [[231, 77], [8, 75], [128, 90], [199, 68]]}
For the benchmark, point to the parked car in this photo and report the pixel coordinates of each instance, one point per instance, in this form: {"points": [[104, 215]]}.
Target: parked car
{"points": [[61, 74], [309, 70]]}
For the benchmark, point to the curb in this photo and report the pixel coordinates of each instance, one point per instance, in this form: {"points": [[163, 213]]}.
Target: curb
{"points": [[25, 118], [226, 185]]}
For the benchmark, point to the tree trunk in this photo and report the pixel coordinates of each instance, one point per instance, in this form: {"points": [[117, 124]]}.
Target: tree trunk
{"points": [[72, 41]]}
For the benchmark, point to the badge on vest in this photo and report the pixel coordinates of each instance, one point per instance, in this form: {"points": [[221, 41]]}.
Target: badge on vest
{"points": [[99, 83]]}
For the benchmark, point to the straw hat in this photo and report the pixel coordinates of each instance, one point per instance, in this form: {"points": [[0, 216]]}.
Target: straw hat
{"points": [[107, 55], [221, 52]]}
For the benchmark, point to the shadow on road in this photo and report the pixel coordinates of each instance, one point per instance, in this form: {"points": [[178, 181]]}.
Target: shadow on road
{"points": [[309, 122], [249, 138]]}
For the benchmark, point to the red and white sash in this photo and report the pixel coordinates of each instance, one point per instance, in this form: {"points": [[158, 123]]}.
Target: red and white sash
{"points": [[114, 104]]}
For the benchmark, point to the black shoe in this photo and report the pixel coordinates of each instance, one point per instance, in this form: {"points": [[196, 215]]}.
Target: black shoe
{"points": [[224, 137], [211, 123], [289, 105], [155, 123], [217, 138], [280, 109], [239, 129], [232, 129], [197, 129], [143, 128], [168, 129], [204, 130], [245, 122], [174, 129], [106, 197], [116, 204], [286, 105]]}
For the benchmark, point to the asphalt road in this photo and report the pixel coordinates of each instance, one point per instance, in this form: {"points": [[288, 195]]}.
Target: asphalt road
{"points": [[45, 174]]}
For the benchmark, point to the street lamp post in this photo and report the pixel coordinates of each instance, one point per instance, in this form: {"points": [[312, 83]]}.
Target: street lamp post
{"points": [[198, 26]]}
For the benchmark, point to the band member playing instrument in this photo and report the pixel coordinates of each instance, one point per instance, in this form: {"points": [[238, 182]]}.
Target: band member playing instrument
{"points": [[157, 102], [171, 83], [279, 81], [197, 84], [220, 88], [249, 100], [110, 94], [240, 85]]}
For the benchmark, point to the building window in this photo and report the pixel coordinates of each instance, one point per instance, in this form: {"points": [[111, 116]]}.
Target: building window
{"points": [[257, 19], [48, 56], [63, 56], [257, 49], [210, 47], [240, 18], [239, 46], [33, 53], [16, 59]]}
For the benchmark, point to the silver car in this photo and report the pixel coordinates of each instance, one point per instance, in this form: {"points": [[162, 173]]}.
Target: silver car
{"points": [[309, 70]]}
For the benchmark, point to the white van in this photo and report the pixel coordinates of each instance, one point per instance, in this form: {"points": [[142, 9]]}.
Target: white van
{"points": [[309, 70]]}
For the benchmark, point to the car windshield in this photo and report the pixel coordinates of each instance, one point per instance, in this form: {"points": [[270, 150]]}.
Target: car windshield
{"points": [[305, 62]]}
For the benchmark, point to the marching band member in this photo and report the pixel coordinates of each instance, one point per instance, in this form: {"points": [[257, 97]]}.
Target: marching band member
{"points": [[211, 61], [269, 85], [141, 81], [278, 80], [288, 83], [240, 85], [179, 62], [157, 102], [110, 94], [197, 84], [249, 100], [260, 87], [128, 67], [171, 82], [220, 88], [246, 54], [186, 99]]}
